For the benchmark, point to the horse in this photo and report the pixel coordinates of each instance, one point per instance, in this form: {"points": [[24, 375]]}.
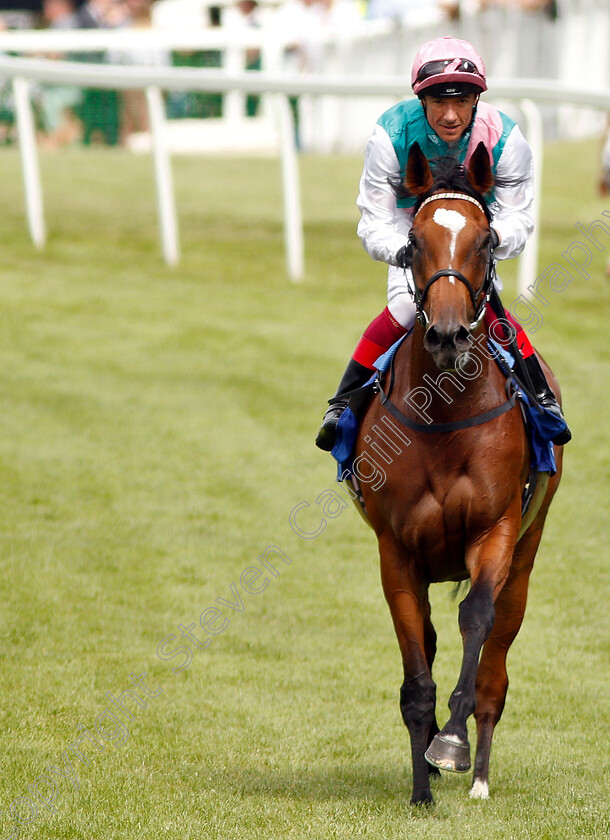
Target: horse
{"points": [[448, 505]]}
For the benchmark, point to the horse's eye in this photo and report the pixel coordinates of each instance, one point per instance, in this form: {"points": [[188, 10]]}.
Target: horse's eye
{"points": [[485, 246]]}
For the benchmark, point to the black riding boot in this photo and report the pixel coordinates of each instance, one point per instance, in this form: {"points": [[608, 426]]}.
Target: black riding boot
{"points": [[354, 377], [530, 368], [545, 397]]}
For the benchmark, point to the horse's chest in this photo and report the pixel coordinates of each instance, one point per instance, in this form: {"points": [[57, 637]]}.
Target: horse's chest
{"points": [[444, 515]]}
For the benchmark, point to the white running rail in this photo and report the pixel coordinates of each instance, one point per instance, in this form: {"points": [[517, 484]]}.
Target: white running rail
{"points": [[526, 93]]}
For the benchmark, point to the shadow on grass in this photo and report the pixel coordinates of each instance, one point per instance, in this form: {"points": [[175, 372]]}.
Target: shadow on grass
{"points": [[361, 783]]}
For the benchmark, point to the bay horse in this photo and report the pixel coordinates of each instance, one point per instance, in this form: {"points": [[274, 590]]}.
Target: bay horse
{"points": [[449, 507]]}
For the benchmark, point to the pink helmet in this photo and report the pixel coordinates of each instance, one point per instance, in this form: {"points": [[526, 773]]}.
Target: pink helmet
{"points": [[445, 60]]}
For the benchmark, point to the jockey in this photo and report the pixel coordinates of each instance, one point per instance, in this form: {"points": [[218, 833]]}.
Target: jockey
{"points": [[448, 77]]}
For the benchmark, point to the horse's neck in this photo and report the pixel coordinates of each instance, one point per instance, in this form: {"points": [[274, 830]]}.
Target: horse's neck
{"points": [[447, 393]]}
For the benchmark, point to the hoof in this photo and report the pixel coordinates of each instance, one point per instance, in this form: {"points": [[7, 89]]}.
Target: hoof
{"points": [[448, 752]]}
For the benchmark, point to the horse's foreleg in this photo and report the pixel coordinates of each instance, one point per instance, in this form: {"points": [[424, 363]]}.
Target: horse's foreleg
{"points": [[489, 564], [430, 649], [492, 679], [409, 607], [450, 749]]}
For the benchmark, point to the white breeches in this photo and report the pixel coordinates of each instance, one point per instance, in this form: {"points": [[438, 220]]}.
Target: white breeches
{"points": [[400, 301]]}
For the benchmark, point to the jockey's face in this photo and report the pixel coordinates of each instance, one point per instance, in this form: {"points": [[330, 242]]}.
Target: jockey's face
{"points": [[450, 116]]}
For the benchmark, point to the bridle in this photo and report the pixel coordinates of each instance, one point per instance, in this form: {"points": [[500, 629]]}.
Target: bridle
{"points": [[480, 298]]}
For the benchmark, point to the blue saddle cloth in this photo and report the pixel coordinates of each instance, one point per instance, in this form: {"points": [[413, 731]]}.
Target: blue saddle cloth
{"points": [[347, 427], [541, 425]]}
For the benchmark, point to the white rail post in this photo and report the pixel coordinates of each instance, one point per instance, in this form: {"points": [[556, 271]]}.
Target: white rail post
{"points": [[528, 261], [29, 161], [165, 187], [293, 219], [234, 101]]}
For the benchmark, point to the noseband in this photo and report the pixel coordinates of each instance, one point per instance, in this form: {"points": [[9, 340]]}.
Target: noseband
{"points": [[419, 298]]}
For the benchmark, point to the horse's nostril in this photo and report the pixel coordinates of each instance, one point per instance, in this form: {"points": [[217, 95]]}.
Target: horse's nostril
{"points": [[433, 338], [462, 336], [436, 338]]}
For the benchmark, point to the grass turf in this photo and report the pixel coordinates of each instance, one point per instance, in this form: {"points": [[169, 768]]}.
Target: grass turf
{"points": [[157, 434]]}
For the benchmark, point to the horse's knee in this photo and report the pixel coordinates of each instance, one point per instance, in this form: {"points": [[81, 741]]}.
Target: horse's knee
{"points": [[418, 701], [476, 613]]}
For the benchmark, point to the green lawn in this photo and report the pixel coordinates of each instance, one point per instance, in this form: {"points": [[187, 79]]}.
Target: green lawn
{"points": [[157, 436]]}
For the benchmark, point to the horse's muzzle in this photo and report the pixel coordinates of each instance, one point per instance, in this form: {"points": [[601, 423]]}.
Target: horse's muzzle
{"points": [[446, 344]]}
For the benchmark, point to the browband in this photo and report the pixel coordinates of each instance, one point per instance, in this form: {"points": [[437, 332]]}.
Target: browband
{"points": [[461, 196]]}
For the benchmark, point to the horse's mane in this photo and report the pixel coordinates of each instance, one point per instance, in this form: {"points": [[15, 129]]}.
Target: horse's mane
{"points": [[449, 174]]}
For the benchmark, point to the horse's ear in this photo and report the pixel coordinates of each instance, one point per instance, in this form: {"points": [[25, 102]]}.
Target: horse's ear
{"points": [[418, 177], [479, 170]]}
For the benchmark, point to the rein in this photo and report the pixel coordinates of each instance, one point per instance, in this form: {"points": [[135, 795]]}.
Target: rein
{"points": [[419, 298]]}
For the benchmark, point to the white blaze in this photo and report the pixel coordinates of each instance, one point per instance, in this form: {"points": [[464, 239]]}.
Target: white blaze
{"points": [[453, 222]]}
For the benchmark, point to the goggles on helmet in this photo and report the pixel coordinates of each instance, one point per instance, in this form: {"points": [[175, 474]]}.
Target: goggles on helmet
{"points": [[435, 68]]}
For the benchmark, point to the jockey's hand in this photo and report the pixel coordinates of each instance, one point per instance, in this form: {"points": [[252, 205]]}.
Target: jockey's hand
{"points": [[494, 239], [404, 257]]}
